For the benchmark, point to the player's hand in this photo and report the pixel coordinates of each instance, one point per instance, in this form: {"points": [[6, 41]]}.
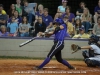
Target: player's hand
{"points": [[75, 48]]}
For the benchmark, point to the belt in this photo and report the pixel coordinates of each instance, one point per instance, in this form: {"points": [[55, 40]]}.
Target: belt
{"points": [[56, 41]]}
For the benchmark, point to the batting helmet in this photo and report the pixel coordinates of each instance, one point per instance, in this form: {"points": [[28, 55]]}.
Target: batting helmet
{"points": [[93, 39], [58, 21]]}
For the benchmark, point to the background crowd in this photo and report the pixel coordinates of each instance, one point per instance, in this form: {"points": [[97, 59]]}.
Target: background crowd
{"points": [[32, 19]]}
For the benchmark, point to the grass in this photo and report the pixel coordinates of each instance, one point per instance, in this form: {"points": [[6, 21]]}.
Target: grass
{"points": [[32, 58]]}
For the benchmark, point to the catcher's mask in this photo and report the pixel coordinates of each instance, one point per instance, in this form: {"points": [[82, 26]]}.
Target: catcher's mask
{"points": [[58, 21], [93, 39]]}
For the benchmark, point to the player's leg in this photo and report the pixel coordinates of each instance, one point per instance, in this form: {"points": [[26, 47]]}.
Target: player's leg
{"points": [[64, 62], [51, 54], [91, 62], [58, 47]]}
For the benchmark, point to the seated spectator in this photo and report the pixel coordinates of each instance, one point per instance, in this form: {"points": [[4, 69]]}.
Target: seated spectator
{"points": [[40, 27], [18, 19], [24, 27], [47, 19], [3, 31], [70, 27], [96, 28], [40, 11], [79, 12], [86, 18], [30, 8], [82, 34], [61, 9], [18, 7], [3, 17], [3, 12], [11, 10], [78, 25], [69, 14], [13, 27], [97, 12]]}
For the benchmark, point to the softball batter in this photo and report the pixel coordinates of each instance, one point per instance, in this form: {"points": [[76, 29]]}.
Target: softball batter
{"points": [[60, 34]]}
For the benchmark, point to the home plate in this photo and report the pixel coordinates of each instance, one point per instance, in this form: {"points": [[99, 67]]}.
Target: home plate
{"points": [[50, 67]]}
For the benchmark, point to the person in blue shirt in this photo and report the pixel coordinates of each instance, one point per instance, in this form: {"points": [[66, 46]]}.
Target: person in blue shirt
{"points": [[3, 31], [13, 27], [40, 11], [47, 19], [60, 34], [18, 19]]}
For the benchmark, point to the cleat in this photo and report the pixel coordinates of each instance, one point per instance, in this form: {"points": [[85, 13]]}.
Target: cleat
{"points": [[71, 67], [37, 68]]}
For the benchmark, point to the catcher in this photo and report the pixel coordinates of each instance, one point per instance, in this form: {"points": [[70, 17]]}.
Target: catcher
{"points": [[94, 59]]}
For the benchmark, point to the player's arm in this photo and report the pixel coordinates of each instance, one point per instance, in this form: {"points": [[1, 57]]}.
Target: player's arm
{"points": [[86, 47], [59, 28], [76, 48], [56, 30]]}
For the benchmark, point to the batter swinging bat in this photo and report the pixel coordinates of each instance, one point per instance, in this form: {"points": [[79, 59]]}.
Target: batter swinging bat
{"points": [[26, 42]]}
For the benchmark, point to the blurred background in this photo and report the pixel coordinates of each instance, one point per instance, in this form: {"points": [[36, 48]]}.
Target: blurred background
{"points": [[53, 4]]}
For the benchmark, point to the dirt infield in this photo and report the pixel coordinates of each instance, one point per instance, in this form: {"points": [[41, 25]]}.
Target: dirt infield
{"points": [[25, 67]]}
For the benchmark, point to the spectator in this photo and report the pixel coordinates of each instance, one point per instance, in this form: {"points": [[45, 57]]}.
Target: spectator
{"points": [[11, 10], [3, 12], [70, 28], [18, 19], [30, 8], [86, 19], [3, 31], [79, 12], [61, 9], [97, 12], [18, 7], [40, 27], [13, 27], [78, 25], [69, 14], [96, 28], [40, 11], [24, 27], [3, 17], [47, 19], [82, 34]]}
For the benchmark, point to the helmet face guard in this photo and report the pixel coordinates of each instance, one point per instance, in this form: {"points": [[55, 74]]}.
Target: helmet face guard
{"points": [[93, 40]]}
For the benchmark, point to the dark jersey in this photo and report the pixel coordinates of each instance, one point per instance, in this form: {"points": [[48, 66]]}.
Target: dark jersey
{"points": [[61, 34]]}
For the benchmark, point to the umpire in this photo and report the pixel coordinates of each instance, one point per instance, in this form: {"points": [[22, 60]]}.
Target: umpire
{"points": [[60, 34]]}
